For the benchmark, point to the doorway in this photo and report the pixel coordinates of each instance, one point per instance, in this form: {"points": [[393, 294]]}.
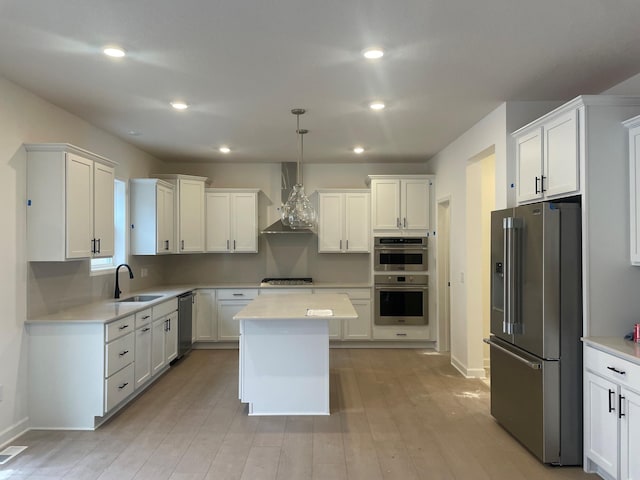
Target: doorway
{"points": [[443, 274], [480, 202]]}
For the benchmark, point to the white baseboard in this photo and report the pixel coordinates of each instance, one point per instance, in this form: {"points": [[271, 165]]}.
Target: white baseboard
{"points": [[467, 372], [14, 431]]}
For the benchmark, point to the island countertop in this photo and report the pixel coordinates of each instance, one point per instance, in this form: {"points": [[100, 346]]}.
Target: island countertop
{"points": [[297, 306]]}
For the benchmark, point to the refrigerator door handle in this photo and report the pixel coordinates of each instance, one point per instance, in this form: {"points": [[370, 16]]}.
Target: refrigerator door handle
{"points": [[528, 363], [510, 227]]}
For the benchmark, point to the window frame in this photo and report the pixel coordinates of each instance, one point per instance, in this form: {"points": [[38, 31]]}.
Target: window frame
{"points": [[105, 266]]}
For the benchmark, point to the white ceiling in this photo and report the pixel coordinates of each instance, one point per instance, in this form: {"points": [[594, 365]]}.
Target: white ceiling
{"points": [[243, 64]]}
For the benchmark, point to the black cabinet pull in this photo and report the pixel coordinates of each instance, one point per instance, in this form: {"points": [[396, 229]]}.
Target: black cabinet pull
{"points": [[542, 189], [537, 188], [123, 327], [122, 354], [611, 407], [619, 372], [98, 246], [123, 385], [146, 329], [93, 245], [620, 399]]}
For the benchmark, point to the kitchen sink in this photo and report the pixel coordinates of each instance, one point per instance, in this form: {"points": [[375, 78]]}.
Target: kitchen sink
{"points": [[140, 298]]}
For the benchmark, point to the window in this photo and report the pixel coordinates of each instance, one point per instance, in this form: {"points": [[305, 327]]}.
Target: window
{"points": [[106, 265]]}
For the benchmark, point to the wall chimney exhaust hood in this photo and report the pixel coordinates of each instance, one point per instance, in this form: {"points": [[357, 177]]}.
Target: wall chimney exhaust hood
{"points": [[288, 175]]}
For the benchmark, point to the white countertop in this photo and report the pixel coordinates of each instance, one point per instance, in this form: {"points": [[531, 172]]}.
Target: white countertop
{"points": [[620, 347], [294, 306]]}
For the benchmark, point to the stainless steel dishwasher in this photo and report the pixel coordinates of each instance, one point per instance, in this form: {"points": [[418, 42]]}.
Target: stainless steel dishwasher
{"points": [[185, 318]]}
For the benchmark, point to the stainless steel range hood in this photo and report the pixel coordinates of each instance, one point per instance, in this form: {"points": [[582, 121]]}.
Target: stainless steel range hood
{"points": [[289, 176]]}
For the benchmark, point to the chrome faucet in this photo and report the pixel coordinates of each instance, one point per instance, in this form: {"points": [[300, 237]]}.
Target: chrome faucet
{"points": [[118, 292]]}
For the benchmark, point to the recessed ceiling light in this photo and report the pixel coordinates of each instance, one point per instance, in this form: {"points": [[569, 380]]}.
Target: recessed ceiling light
{"points": [[373, 53], [358, 150], [224, 149], [113, 51], [377, 105], [179, 105]]}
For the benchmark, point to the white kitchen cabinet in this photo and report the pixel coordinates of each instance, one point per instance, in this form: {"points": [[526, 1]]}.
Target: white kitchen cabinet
{"points": [[343, 221], [152, 207], [206, 315], [229, 302], [612, 415], [633, 125], [401, 203], [352, 329], [164, 341], [547, 156], [190, 211], [231, 220], [142, 368], [70, 210]]}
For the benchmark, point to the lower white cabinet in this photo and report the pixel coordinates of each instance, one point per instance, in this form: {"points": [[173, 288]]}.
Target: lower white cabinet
{"points": [[143, 355], [164, 341], [229, 302], [388, 332], [611, 415], [359, 328], [206, 316]]}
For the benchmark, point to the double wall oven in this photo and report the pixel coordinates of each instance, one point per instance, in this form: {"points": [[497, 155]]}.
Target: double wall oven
{"points": [[401, 282]]}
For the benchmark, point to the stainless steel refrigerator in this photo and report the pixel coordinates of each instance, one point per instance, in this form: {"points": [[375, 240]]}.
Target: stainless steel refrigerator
{"points": [[536, 324]]}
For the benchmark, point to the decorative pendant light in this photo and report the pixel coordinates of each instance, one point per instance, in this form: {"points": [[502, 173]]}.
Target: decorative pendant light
{"points": [[298, 212]]}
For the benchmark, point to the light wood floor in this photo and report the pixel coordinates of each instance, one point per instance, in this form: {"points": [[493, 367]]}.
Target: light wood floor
{"points": [[395, 414]]}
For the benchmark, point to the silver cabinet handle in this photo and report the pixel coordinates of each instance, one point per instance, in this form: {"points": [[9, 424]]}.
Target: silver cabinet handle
{"points": [[122, 327], [123, 385], [122, 354], [533, 365]]}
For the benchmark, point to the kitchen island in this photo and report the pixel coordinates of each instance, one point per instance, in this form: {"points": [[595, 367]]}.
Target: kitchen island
{"points": [[284, 352]]}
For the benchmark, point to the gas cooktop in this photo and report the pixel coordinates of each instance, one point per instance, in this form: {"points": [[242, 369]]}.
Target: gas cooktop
{"points": [[287, 281]]}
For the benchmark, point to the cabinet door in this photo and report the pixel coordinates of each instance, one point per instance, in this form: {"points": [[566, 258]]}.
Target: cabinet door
{"points": [[331, 223], [529, 166], [79, 206], [228, 328], [385, 205], [165, 242], [601, 422], [414, 203], [561, 170], [191, 215], [634, 173], [171, 337], [103, 215], [356, 223], [157, 345], [630, 436], [206, 324], [359, 328], [335, 329], [244, 222], [218, 222], [142, 356]]}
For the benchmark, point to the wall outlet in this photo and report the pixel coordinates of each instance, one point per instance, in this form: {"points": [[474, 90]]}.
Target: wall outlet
{"points": [[143, 272]]}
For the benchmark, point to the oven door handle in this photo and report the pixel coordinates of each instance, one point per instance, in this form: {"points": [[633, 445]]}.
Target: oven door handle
{"points": [[388, 249], [411, 287]]}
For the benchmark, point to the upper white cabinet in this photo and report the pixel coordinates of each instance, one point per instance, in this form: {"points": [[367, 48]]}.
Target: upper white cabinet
{"points": [[152, 216], [70, 212], [231, 220], [401, 203], [633, 125], [343, 221], [547, 156], [190, 211]]}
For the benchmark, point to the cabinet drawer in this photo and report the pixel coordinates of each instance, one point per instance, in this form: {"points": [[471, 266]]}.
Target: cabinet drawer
{"points": [[612, 368], [119, 328], [401, 333], [165, 308], [353, 293], [238, 294], [118, 354], [118, 387], [283, 291], [143, 317]]}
